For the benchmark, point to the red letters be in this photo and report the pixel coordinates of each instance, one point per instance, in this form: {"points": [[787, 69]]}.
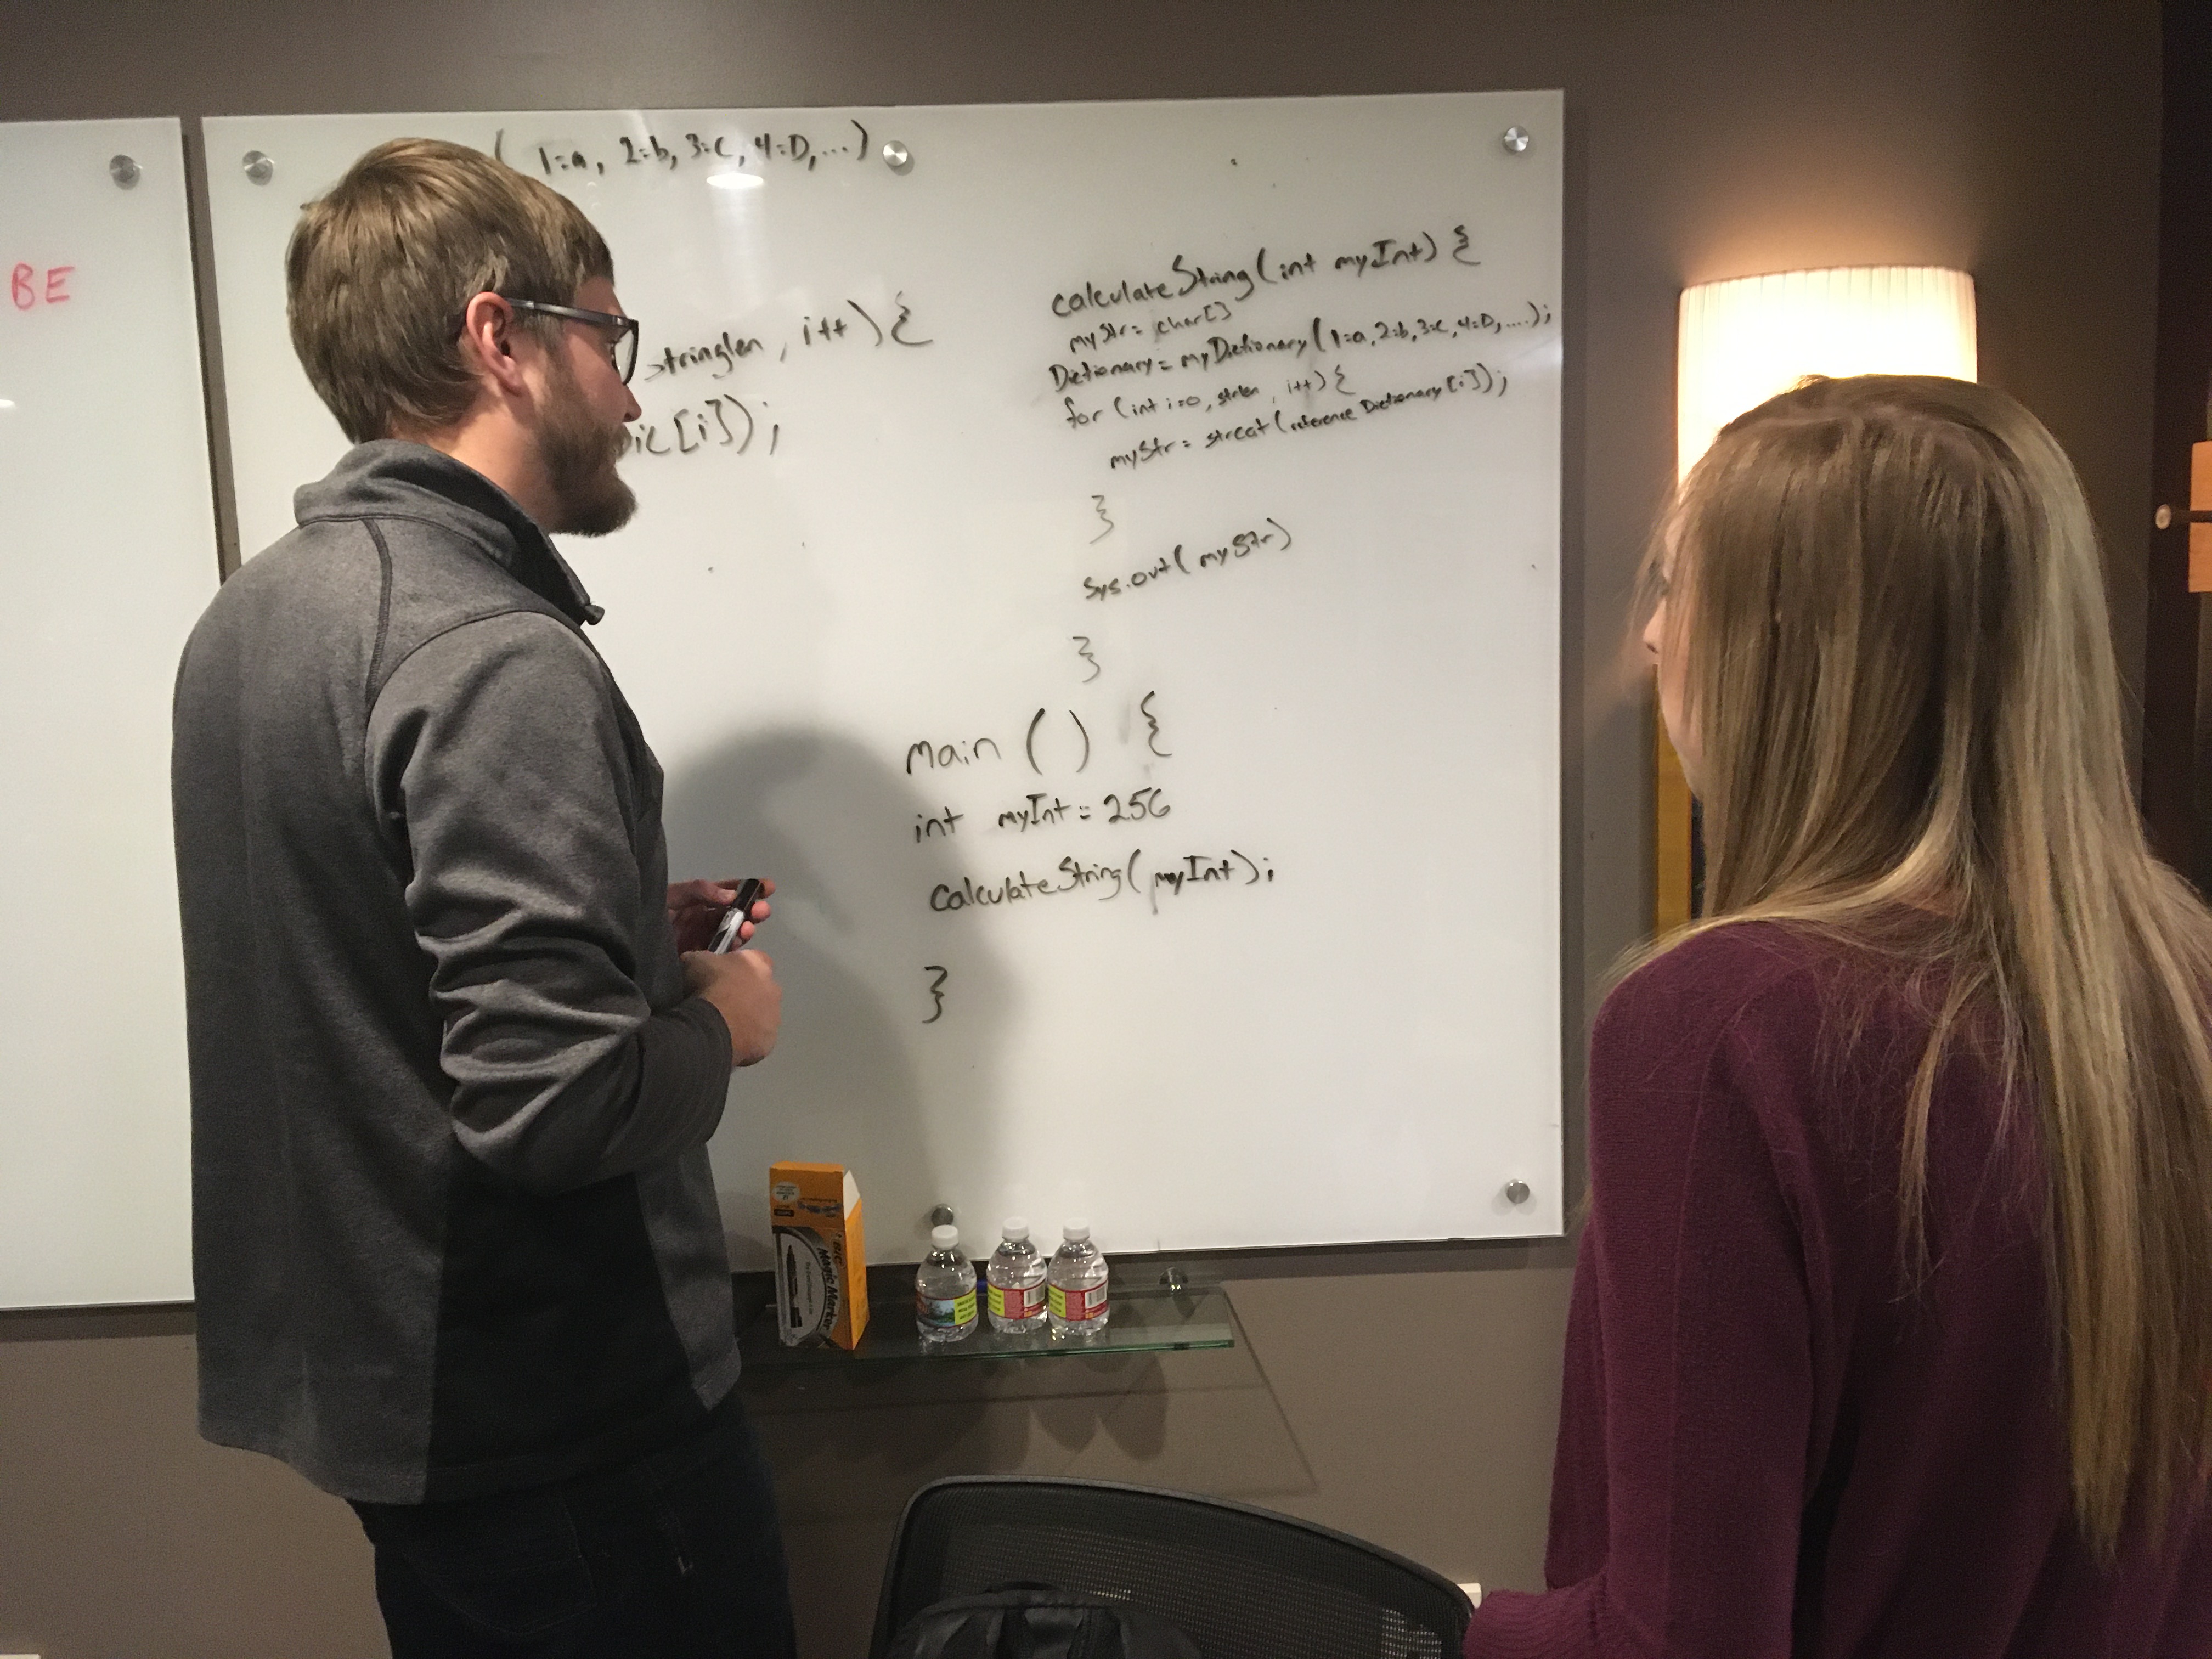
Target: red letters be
{"points": [[23, 285]]}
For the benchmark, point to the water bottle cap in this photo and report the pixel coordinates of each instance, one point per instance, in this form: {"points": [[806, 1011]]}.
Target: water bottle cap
{"points": [[1015, 1227], [944, 1238], [1077, 1231]]}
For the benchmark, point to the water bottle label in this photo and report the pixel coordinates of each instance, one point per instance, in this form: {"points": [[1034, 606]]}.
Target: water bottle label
{"points": [[1076, 1306], [945, 1314], [1017, 1301]]}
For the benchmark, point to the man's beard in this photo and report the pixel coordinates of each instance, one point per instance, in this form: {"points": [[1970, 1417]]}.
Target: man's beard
{"points": [[589, 496]]}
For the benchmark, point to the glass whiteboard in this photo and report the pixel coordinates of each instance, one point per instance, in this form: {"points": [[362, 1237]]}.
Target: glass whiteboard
{"points": [[1102, 561]]}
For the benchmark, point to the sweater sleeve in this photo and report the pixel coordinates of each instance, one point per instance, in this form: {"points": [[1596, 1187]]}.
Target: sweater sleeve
{"points": [[495, 753], [1683, 1438]]}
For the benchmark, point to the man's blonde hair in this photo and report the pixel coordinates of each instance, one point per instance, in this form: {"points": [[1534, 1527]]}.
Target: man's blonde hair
{"points": [[379, 271], [1899, 666]]}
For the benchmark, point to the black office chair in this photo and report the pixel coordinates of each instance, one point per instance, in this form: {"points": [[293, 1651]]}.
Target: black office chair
{"points": [[1242, 1582]]}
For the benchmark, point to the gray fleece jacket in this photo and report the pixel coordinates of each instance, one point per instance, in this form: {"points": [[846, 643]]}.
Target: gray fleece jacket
{"points": [[453, 1225]]}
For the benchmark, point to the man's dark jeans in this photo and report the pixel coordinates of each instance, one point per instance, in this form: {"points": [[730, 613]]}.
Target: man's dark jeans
{"points": [[675, 1556]]}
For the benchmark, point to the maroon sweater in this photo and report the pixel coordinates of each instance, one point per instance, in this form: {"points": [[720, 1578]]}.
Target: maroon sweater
{"points": [[1766, 1447]]}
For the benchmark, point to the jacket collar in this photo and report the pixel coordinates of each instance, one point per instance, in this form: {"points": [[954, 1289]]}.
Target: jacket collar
{"points": [[391, 479]]}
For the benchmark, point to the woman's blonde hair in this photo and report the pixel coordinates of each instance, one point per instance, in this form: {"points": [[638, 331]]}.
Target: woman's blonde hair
{"points": [[1888, 595]]}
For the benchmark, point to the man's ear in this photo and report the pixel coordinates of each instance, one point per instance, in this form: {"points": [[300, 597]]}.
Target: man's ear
{"points": [[489, 336]]}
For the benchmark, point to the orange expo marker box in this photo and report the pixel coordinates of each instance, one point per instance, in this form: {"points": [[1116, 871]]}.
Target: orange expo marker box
{"points": [[821, 1258]]}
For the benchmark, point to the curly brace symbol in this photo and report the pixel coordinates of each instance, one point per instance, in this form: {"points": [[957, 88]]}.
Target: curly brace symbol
{"points": [[1152, 736], [905, 316], [936, 990]]}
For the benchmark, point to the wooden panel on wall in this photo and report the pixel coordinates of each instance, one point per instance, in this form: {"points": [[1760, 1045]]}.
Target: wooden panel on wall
{"points": [[2200, 517]]}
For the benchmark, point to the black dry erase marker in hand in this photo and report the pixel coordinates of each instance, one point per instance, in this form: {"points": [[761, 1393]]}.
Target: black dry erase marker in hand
{"points": [[740, 911]]}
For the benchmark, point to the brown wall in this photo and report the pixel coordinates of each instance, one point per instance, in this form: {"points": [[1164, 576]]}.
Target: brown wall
{"points": [[1406, 1396], [2177, 742]]}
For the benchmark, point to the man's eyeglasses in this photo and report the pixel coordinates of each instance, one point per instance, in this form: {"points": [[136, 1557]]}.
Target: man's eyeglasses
{"points": [[621, 342]]}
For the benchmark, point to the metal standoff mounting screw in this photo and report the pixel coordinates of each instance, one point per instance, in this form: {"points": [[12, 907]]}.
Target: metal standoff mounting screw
{"points": [[897, 156], [2163, 518], [1515, 139], [1174, 1280], [122, 170], [259, 167], [1517, 1192], [941, 1216]]}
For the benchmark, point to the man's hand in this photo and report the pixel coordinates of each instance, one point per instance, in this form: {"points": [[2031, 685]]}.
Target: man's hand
{"points": [[742, 987], [695, 907]]}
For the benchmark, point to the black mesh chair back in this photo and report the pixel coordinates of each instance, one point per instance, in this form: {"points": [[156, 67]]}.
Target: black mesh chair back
{"points": [[1242, 1582]]}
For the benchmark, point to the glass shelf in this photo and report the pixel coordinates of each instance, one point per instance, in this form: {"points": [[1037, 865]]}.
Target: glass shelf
{"points": [[1146, 1319]]}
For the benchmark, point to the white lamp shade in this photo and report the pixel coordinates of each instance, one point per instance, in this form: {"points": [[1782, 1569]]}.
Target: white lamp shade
{"points": [[1744, 340]]}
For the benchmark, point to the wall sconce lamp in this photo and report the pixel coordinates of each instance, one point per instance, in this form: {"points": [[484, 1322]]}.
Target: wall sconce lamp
{"points": [[1741, 341]]}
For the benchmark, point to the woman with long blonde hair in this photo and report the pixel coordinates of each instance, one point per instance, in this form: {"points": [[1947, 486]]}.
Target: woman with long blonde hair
{"points": [[1891, 1330]]}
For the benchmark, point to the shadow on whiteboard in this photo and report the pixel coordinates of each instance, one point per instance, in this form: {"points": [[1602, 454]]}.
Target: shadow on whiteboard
{"points": [[861, 1076]]}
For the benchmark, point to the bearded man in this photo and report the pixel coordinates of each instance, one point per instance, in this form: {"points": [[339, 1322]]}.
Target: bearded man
{"points": [[456, 1246]]}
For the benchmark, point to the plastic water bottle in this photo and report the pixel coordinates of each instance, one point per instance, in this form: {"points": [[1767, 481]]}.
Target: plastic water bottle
{"points": [[1015, 1273], [1077, 1281], [945, 1290]]}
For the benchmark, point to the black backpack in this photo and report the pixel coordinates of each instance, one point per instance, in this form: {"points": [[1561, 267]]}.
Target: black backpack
{"points": [[1036, 1621]]}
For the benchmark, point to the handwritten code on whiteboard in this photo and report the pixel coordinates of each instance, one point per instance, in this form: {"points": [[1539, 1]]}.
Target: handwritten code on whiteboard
{"points": [[1102, 561]]}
